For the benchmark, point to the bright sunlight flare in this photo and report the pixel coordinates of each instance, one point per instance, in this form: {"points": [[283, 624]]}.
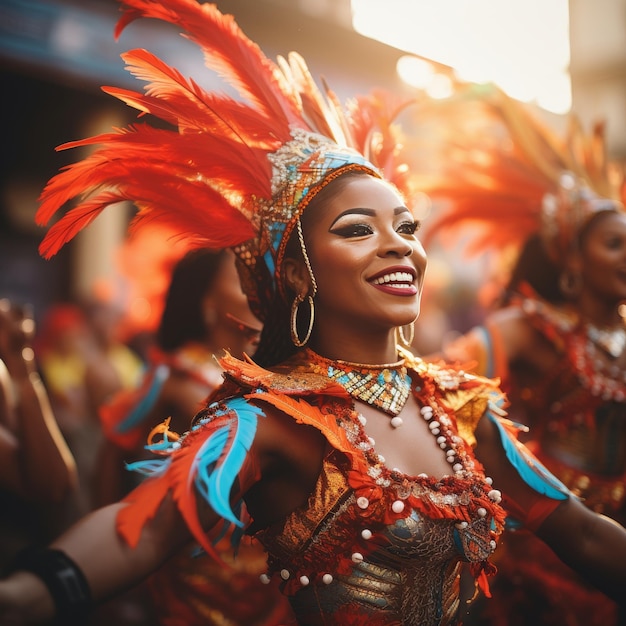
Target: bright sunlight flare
{"points": [[523, 47]]}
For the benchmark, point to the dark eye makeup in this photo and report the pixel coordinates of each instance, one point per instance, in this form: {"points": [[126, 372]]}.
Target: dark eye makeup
{"points": [[360, 229]]}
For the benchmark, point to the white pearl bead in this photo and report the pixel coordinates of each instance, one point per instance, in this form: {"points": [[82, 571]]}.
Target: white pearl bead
{"points": [[357, 557], [284, 574], [481, 512], [493, 544], [396, 421], [265, 579], [372, 441], [441, 440], [495, 495], [489, 480], [457, 467], [304, 580], [434, 425], [397, 506], [461, 525], [327, 579], [363, 419], [366, 534], [362, 502]]}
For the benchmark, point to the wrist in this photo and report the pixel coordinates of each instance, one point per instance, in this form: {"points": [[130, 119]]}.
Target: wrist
{"points": [[52, 586], [22, 365]]}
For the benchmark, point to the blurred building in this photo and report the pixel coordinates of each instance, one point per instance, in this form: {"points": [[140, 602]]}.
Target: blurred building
{"points": [[598, 66]]}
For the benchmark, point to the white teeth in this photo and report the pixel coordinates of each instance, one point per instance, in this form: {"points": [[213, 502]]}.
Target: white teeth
{"points": [[395, 277]]}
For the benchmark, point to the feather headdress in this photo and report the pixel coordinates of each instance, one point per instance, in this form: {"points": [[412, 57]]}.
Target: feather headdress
{"points": [[487, 162], [226, 173]]}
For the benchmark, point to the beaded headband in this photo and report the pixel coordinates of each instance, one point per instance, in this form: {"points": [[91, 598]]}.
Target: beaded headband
{"points": [[300, 169], [565, 212]]}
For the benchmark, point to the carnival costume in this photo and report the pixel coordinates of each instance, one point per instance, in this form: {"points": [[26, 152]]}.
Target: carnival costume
{"points": [[371, 545], [525, 181]]}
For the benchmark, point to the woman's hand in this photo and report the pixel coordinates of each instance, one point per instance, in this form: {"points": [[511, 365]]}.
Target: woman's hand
{"points": [[24, 601]]}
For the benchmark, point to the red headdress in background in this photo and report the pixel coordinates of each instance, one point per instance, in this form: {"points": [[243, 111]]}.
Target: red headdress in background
{"points": [[145, 262], [488, 163], [226, 173]]}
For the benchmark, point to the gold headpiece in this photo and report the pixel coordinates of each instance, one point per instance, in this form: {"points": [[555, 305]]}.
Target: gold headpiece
{"points": [[226, 173]]}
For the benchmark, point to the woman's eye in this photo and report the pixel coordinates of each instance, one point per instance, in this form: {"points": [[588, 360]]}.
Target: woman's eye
{"points": [[353, 230], [409, 228], [614, 243]]}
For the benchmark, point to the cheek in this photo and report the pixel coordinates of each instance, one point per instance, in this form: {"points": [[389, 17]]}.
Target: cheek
{"points": [[420, 258], [229, 298], [601, 260], [338, 264]]}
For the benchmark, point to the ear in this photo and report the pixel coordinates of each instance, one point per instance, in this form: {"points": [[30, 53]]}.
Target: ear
{"points": [[296, 276], [574, 262]]}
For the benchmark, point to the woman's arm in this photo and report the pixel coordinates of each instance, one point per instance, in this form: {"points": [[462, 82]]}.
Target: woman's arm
{"points": [[593, 545], [107, 562], [47, 468]]}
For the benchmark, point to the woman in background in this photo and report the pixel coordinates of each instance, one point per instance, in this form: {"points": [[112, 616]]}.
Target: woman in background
{"points": [[555, 337], [205, 313]]}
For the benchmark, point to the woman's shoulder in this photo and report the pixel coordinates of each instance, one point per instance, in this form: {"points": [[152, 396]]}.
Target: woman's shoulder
{"points": [[468, 396], [446, 377], [541, 313], [294, 377]]}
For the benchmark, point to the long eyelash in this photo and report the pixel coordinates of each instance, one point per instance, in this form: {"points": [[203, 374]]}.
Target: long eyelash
{"points": [[349, 230], [414, 225]]}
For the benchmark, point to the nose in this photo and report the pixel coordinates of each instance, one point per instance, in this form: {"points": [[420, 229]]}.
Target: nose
{"points": [[396, 244]]}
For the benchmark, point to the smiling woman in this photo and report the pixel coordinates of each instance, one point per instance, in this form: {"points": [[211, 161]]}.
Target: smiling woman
{"points": [[376, 262], [363, 471]]}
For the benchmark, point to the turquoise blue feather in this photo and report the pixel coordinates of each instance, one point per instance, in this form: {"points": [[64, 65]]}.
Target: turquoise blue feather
{"points": [[219, 460], [150, 467], [532, 472], [147, 402]]}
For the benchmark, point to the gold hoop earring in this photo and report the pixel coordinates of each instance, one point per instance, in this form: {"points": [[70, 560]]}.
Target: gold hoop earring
{"points": [[570, 284], [305, 256], [299, 299], [407, 343]]}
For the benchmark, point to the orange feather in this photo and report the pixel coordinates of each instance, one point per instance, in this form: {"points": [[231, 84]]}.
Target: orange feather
{"points": [[226, 50]]}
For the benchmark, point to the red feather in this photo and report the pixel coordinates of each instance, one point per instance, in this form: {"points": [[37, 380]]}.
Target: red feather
{"points": [[132, 518]]}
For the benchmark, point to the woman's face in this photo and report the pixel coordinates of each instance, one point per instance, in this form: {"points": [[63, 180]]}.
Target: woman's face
{"points": [[225, 300], [366, 258], [603, 256]]}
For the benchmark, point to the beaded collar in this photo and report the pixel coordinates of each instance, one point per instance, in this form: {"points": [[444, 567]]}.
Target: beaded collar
{"points": [[385, 387]]}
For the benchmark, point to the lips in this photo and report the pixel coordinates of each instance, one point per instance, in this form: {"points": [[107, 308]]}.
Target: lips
{"points": [[396, 280]]}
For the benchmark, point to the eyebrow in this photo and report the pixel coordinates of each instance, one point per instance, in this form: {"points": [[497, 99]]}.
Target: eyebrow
{"points": [[368, 212]]}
